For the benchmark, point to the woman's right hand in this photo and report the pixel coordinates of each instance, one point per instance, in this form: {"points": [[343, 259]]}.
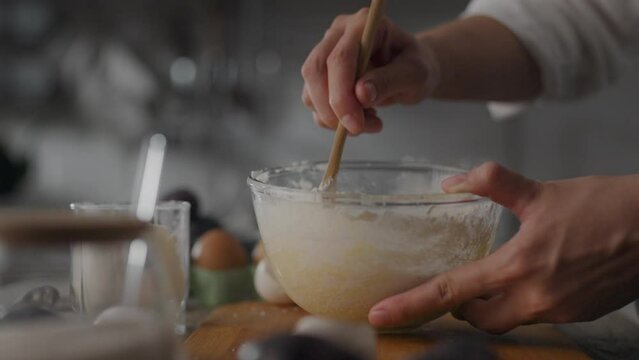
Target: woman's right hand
{"points": [[401, 70]]}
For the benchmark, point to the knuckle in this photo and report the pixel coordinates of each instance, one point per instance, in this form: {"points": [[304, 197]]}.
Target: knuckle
{"points": [[307, 71], [539, 303], [318, 122], [363, 11], [330, 123], [329, 32], [518, 267], [313, 68], [489, 172], [339, 56], [447, 295], [307, 101], [337, 103], [339, 20]]}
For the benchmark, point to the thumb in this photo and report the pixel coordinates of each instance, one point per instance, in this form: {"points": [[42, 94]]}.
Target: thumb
{"points": [[440, 294], [498, 183]]}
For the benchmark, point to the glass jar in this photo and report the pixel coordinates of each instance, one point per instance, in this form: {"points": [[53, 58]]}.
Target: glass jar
{"points": [[44, 294], [97, 277]]}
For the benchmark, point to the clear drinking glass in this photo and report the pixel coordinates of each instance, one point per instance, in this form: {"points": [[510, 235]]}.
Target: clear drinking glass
{"points": [[97, 278]]}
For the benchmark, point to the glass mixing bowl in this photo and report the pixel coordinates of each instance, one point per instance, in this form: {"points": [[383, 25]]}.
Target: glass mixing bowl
{"points": [[385, 228]]}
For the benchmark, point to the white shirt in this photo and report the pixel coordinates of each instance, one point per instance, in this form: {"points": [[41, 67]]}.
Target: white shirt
{"points": [[580, 45]]}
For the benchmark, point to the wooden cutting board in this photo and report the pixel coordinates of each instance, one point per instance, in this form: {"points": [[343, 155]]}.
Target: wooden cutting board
{"points": [[228, 327]]}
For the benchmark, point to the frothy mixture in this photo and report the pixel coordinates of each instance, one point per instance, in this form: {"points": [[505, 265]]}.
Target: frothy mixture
{"points": [[338, 260]]}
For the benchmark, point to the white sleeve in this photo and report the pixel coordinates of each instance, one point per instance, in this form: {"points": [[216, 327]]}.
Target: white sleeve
{"points": [[580, 45]]}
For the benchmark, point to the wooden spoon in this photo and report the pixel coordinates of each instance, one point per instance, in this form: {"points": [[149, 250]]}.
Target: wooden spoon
{"points": [[365, 50]]}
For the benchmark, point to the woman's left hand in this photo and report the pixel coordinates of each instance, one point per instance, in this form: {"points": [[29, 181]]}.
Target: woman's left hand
{"points": [[574, 258]]}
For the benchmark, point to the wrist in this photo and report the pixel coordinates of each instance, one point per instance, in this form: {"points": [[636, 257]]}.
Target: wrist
{"points": [[431, 64], [481, 59], [435, 45]]}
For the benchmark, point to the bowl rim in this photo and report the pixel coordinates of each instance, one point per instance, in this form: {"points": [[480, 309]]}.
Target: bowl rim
{"points": [[261, 187]]}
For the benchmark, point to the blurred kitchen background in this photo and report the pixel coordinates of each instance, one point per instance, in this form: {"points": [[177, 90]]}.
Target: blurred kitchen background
{"points": [[82, 83]]}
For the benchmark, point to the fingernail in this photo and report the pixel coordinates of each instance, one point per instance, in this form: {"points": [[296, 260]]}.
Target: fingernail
{"points": [[350, 124], [371, 91], [379, 317], [456, 184]]}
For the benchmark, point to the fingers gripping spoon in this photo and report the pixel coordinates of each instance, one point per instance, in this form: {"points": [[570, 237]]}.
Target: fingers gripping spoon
{"points": [[365, 50]]}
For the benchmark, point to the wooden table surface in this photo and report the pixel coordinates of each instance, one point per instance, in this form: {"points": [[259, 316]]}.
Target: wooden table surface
{"points": [[228, 327]]}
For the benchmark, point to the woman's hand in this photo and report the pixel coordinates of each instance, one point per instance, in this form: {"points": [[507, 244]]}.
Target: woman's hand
{"points": [[401, 70], [575, 257]]}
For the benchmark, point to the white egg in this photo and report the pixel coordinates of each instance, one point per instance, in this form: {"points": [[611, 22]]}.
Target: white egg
{"points": [[358, 338], [267, 285]]}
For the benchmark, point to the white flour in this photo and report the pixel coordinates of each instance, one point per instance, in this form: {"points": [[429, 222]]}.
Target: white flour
{"points": [[338, 260]]}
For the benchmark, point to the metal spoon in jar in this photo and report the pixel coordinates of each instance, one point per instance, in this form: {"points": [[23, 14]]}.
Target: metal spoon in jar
{"points": [[144, 209]]}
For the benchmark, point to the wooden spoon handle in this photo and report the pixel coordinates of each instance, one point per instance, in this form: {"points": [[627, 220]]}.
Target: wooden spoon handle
{"points": [[365, 50]]}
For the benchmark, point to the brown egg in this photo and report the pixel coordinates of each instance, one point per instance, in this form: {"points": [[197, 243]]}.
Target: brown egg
{"points": [[218, 250], [258, 252]]}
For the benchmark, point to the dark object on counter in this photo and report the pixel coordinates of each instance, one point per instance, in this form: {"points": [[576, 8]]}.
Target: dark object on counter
{"points": [[459, 350], [44, 297], [11, 172], [290, 347], [199, 224]]}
